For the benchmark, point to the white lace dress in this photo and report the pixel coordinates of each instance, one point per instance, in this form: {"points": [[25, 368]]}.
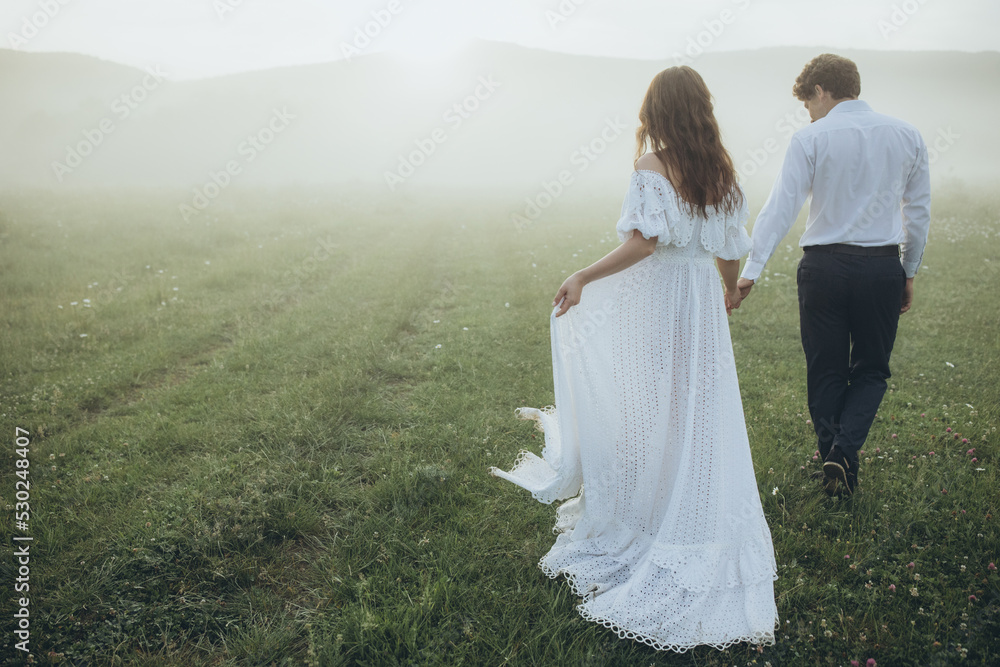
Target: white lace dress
{"points": [[662, 532]]}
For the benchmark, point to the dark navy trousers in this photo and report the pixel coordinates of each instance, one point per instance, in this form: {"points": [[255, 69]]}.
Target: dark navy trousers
{"points": [[848, 314]]}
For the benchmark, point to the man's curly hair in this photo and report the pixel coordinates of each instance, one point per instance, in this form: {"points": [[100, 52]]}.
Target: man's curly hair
{"points": [[835, 74]]}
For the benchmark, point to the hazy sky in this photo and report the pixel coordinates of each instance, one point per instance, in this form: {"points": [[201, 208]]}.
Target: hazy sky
{"points": [[198, 38]]}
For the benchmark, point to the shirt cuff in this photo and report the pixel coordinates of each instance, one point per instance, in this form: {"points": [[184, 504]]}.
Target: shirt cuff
{"points": [[910, 268], [752, 270]]}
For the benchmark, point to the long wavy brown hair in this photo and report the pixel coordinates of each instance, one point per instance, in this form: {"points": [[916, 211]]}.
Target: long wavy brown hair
{"points": [[677, 120]]}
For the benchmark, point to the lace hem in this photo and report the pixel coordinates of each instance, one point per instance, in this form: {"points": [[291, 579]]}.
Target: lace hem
{"points": [[547, 477], [764, 638], [761, 638], [653, 207]]}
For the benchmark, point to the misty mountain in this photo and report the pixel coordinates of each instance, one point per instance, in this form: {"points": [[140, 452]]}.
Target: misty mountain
{"points": [[498, 117]]}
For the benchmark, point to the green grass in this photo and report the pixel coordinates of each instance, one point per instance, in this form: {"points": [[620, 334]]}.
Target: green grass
{"points": [[276, 463]]}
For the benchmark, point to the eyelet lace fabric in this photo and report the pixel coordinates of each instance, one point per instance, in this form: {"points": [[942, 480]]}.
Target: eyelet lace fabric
{"points": [[660, 530], [653, 207]]}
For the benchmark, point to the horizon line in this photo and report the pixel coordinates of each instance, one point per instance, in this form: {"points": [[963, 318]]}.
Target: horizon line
{"points": [[508, 44]]}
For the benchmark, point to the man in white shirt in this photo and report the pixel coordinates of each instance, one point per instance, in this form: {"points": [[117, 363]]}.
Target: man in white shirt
{"points": [[869, 178]]}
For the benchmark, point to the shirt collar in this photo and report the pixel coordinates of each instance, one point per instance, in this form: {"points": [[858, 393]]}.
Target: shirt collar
{"points": [[850, 105]]}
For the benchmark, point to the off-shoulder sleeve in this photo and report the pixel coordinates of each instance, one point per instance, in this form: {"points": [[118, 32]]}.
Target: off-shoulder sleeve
{"points": [[651, 209], [726, 236]]}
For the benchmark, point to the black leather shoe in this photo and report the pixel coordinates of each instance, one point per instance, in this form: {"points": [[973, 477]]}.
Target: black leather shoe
{"points": [[840, 477]]}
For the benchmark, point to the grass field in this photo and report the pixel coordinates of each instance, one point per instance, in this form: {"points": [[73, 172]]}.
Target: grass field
{"points": [[261, 437]]}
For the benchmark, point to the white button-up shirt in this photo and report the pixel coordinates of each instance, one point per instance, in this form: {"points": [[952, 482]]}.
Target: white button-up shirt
{"points": [[870, 182]]}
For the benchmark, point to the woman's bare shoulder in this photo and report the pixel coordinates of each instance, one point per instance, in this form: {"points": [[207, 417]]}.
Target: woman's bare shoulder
{"points": [[651, 162]]}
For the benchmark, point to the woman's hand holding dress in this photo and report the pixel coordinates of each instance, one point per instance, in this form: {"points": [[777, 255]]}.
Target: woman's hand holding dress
{"points": [[570, 292]]}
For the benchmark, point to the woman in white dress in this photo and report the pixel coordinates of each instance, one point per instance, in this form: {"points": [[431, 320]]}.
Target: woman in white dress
{"points": [[662, 532]]}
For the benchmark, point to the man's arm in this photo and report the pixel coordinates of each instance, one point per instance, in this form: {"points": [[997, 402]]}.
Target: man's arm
{"points": [[916, 207], [778, 214]]}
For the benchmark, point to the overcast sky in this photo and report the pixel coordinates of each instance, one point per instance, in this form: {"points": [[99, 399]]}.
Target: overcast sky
{"points": [[199, 38]]}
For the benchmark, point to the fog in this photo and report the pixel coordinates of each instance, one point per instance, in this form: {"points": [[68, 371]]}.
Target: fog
{"points": [[498, 119]]}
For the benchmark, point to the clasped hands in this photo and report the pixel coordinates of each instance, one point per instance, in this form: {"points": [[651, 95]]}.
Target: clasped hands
{"points": [[735, 298]]}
